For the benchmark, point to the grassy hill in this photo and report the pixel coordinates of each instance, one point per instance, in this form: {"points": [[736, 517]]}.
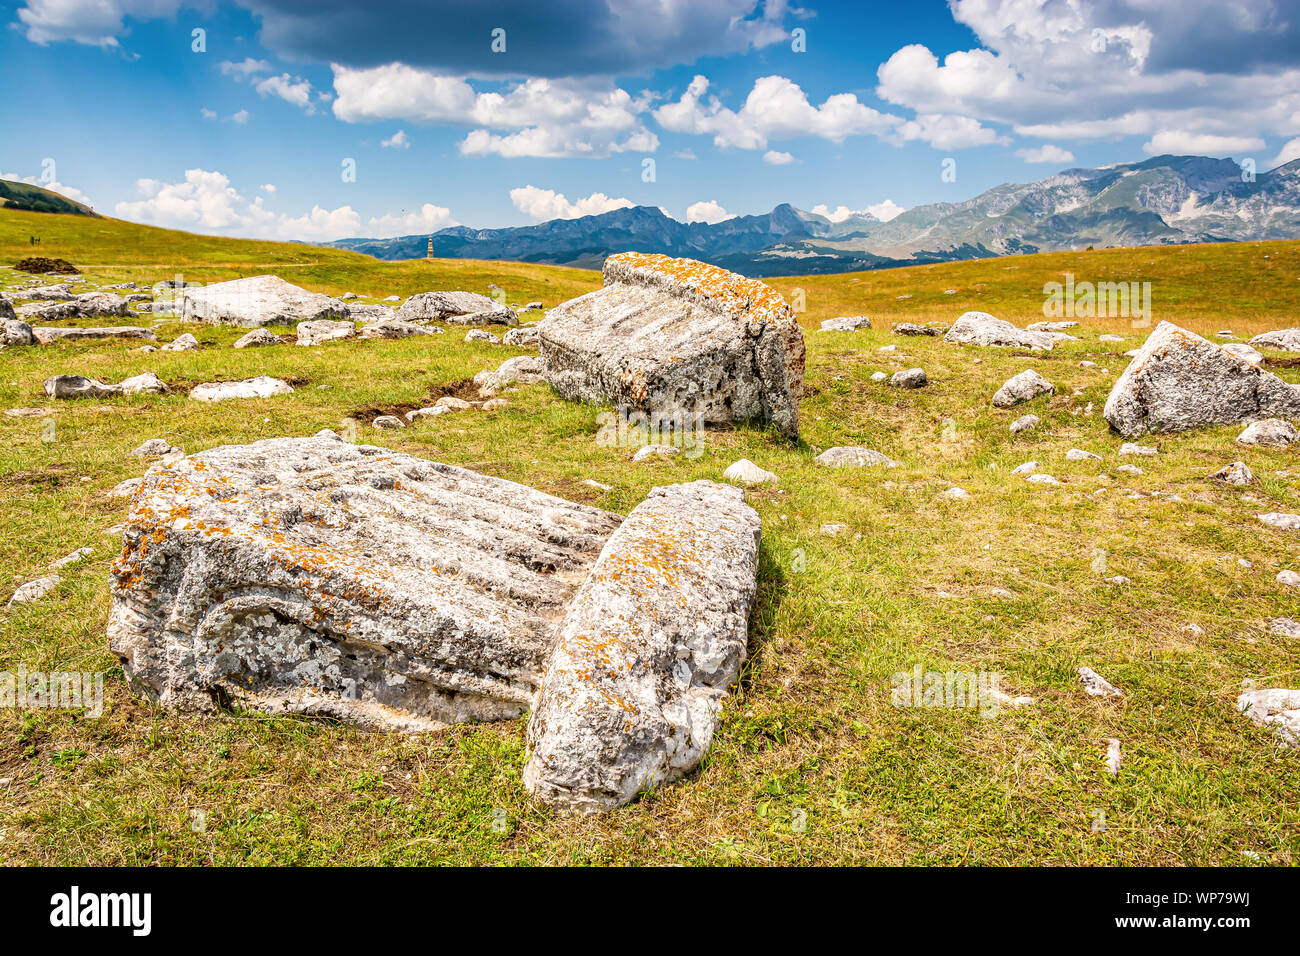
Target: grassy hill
{"points": [[812, 763], [15, 196]]}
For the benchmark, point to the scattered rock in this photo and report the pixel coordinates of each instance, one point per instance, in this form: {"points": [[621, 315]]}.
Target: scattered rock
{"points": [[1021, 388], [853, 456], [1050, 326], [1275, 708], [76, 557], [980, 328], [673, 335], [1288, 578], [1285, 340], [48, 336], [1094, 685], [29, 412], [1112, 757], [34, 590], [155, 448], [1284, 522], [1269, 431], [1025, 468], [656, 451], [878, 376], [88, 305], [834, 529], [909, 378], [455, 307], [15, 332], [1024, 423], [1078, 454], [481, 335], [1285, 626], [912, 328], [395, 329], [388, 421], [955, 494], [1235, 474], [261, 387], [1133, 448], [1130, 469], [1119, 580], [1180, 381], [1043, 479], [748, 473], [1107, 337], [1241, 350], [78, 386], [520, 337], [182, 343], [320, 331], [846, 323], [258, 337]]}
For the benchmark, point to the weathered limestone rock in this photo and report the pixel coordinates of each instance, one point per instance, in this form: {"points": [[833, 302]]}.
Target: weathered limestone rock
{"points": [[522, 369], [481, 335], [444, 306], [1269, 431], [1179, 381], [520, 337], [1021, 388], [1024, 423], [47, 336], [1238, 473], [846, 323], [909, 378], [255, 301], [1094, 685], [1287, 340], [256, 338], [78, 386], [261, 387], [321, 331], [853, 456], [314, 576], [980, 328], [634, 688], [15, 332], [395, 329], [1275, 708], [34, 590], [913, 328], [497, 316], [676, 336], [182, 343], [86, 306], [1241, 350], [748, 473]]}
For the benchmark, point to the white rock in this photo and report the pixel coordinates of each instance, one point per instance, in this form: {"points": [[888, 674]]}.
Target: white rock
{"points": [[1021, 388], [254, 301], [1094, 685], [34, 590], [1286, 340], [76, 557], [955, 494], [1276, 519], [980, 328], [853, 456], [256, 338], [834, 529], [1042, 479], [1133, 448], [878, 376], [261, 387], [1285, 626], [1078, 454], [481, 335], [1289, 578], [182, 343], [656, 451], [1113, 757], [1235, 474], [1130, 469], [846, 323], [909, 378], [320, 331], [1275, 708], [1269, 431], [456, 306], [1024, 423], [1028, 468], [748, 473], [1241, 350]]}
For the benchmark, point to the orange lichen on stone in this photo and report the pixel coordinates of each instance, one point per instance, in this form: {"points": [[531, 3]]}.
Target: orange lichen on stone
{"points": [[742, 297]]}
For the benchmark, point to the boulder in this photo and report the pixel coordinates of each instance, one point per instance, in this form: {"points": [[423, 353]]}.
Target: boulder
{"points": [[315, 576], [1180, 380], [1024, 423], [7, 312], [388, 421], [1274, 708], [1286, 340], [481, 335], [748, 473], [1021, 388], [146, 383], [47, 336], [89, 305], [634, 688], [519, 337], [1269, 431], [182, 343], [980, 328], [255, 301], [522, 369], [320, 331], [441, 306], [1238, 473], [853, 456], [909, 378], [78, 386], [676, 336], [370, 313], [395, 329], [257, 337], [846, 323], [498, 316], [912, 328], [16, 332], [261, 387]]}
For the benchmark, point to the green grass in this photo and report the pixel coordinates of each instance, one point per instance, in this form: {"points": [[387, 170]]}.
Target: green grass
{"points": [[812, 764]]}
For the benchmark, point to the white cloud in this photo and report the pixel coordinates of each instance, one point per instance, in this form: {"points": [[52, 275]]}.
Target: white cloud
{"points": [[206, 202], [1289, 152], [397, 141], [241, 117], [72, 192], [545, 204], [709, 211], [1047, 153], [295, 90], [884, 211], [1184, 142], [775, 158], [267, 188], [208, 114], [685, 154], [88, 22], [244, 68], [538, 117]]}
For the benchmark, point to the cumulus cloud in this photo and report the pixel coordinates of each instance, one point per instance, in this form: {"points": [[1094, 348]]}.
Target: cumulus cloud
{"points": [[1184, 142], [293, 90], [88, 22], [884, 211], [241, 117], [545, 204], [707, 210], [205, 201], [1291, 151], [397, 141], [538, 117], [208, 114], [71, 192], [777, 109], [776, 158], [244, 68], [1047, 153], [1154, 70]]}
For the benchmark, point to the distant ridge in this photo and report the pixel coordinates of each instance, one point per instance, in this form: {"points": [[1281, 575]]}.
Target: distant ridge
{"points": [[29, 198], [1162, 200]]}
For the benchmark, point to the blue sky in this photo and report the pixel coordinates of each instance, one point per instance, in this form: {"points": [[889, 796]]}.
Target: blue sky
{"points": [[110, 100]]}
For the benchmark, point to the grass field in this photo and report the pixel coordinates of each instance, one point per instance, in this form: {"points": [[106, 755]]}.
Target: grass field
{"points": [[812, 763]]}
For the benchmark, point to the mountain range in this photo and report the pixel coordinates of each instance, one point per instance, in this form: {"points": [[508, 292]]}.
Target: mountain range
{"points": [[1162, 200]]}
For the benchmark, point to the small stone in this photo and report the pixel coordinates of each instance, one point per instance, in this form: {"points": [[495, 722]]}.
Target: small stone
{"points": [[1280, 520], [1235, 474], [76, 557], [1024, 423], [1022, 388], [34, 590], [656, 451], [1002, 593], [1194, 629], [388, 421], [1119, 580], [1112, 757], [154, 448], [955, 494], [1287, 627], [909, 378], [1130, 469], [846, 323], [1094, 685], [494, 404], [748, 473], [256, 338], [1042, 479], [853, 456], [888, 348], [1078, 454], [182, 343], [1133, 448], [878, 376], [481, 335], [1028, 468], [1244, 564], [1289, 578], [1269, 431], [1109, 338], [590, 482], [834, 529]]}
